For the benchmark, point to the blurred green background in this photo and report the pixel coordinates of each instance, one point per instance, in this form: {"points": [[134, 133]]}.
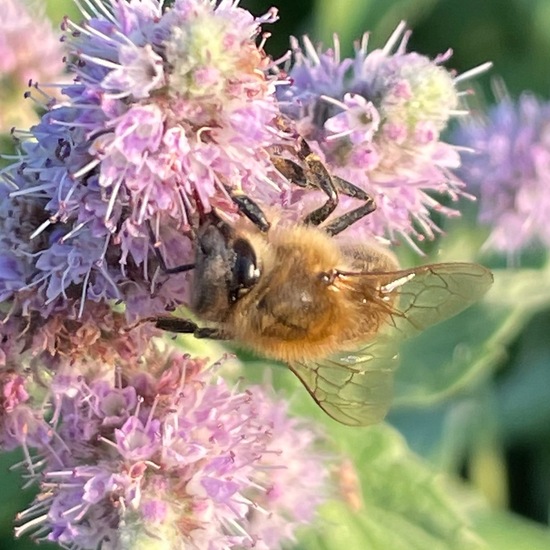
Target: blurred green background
{"points": [[472, 399]]}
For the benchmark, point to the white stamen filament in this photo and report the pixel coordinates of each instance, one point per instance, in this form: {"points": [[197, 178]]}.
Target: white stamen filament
{"points": [[18, 531], [311, 52], [100, 61], [395, 36], [39, 229], [85, 169], [480, 69]]}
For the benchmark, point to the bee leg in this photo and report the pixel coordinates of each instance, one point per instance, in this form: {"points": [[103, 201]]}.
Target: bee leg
{"points": [[349, 218], [175, 324], [251, 210], [313, 176], [162, 264], [211, 333], [185, 326], [319, 178]]}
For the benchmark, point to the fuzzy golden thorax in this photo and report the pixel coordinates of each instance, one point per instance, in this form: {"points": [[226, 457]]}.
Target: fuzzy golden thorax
{"points": [[301, 308]]}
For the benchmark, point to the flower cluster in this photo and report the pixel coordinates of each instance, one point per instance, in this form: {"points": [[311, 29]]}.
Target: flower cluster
{"points": [[175, 111], [171, 112], [376, 119], [510, 170], [23, 59], [168, 456]]}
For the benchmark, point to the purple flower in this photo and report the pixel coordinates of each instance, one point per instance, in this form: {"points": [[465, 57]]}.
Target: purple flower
{"points": [[171, 110], [34, 346], [113, 404], [194, 461], [509, 172], [359, 121], [13, 392], [136, 441], [376, 119]]}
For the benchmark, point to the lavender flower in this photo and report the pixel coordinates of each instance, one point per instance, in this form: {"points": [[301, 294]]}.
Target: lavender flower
{"points": [[509, 172], [23, 59], [34, 348], [165, 457], [377, 120]]}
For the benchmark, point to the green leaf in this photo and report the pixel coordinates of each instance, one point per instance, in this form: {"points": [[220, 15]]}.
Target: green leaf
{"points": [[14, 500], [60, 8], [350, 19], [466, 349], [522, 401], [405, 504], [408, 505], [505, 531]]}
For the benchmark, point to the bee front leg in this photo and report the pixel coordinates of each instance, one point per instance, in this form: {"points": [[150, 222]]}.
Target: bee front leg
{"points": [[316, 176], [349, 218], [319, 178], [185, 326], [160, 259], [251, 210], [175, 324]]}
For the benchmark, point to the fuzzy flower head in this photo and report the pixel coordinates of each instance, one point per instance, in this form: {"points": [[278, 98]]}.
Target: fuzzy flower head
{"points": [[377, 119], [172, 112], [509, 172], [171, 458], [29, 51]]}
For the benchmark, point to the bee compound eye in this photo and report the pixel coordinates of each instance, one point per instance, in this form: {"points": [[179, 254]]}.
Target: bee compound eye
{"points": [[245, 269]]}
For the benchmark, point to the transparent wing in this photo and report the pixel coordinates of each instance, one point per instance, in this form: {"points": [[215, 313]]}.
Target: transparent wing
{"points": [[428, 295], [355, 386]]}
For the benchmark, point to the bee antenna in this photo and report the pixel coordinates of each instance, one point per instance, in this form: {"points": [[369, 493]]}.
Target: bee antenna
{"points": [[168, 270]]}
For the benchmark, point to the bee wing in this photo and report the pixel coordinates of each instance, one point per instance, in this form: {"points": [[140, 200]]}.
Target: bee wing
{"points": [[427, 295], [355, 387]]}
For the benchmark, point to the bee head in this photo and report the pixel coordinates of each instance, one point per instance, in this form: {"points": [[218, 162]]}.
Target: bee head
{"points": [[226, 268]]}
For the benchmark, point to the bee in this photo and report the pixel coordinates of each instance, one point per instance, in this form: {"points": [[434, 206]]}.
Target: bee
{"points": [[333, 312]]}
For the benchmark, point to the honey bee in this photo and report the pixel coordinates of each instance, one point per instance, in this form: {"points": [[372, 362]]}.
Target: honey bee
{"points": [[332, 312]]}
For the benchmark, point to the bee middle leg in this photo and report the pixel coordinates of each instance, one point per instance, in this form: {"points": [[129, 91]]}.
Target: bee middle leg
{"points": [[349, 218], [316, 176]]}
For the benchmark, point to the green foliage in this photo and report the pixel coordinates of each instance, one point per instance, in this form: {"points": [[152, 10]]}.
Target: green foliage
{"points": [[408, 503], [466, 349]]}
